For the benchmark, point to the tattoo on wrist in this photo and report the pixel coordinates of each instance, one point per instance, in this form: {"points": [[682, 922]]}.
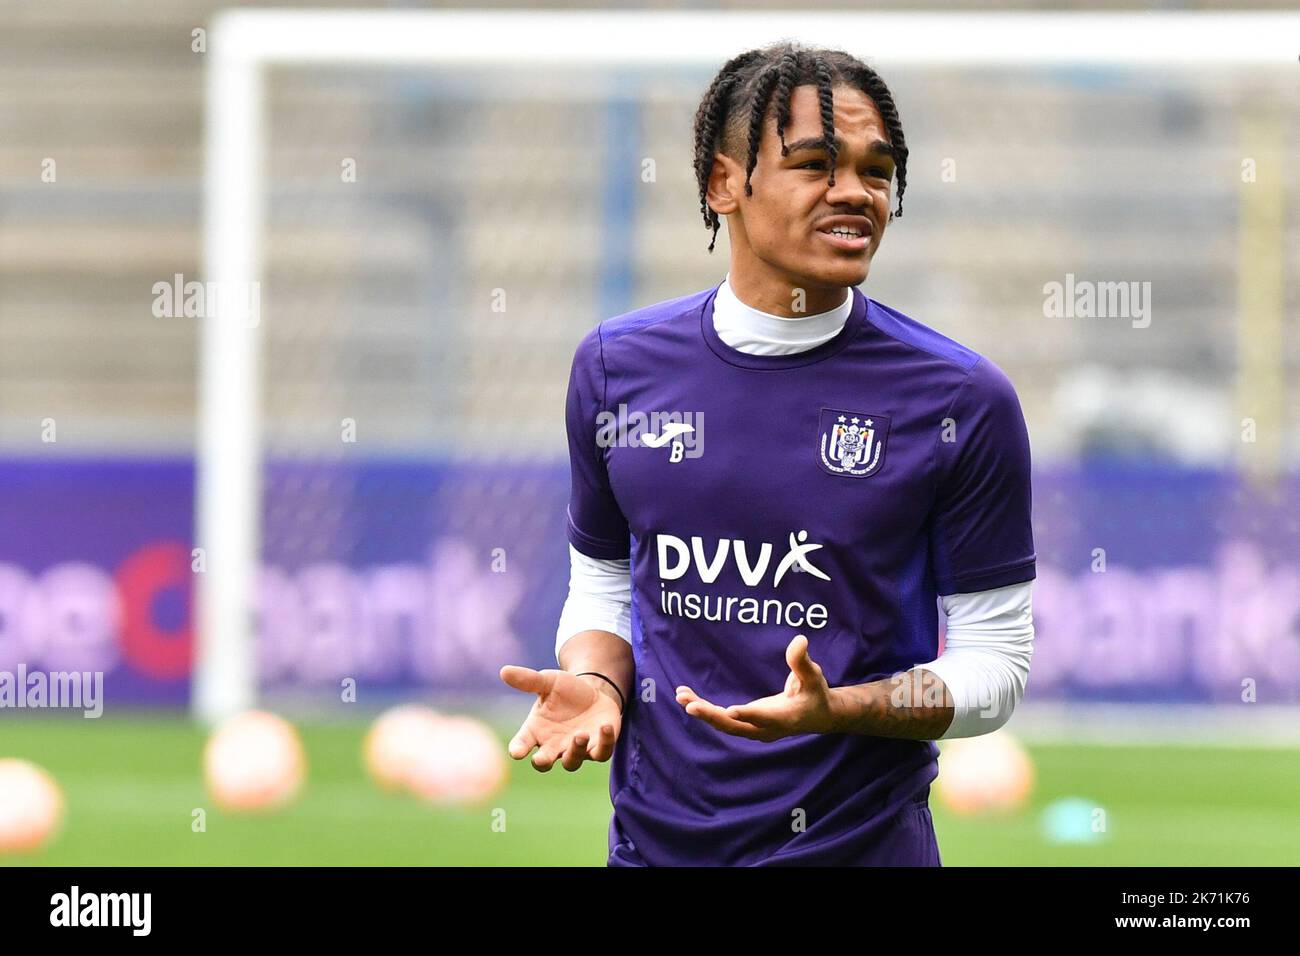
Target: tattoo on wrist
{"points": [[913, 705]]}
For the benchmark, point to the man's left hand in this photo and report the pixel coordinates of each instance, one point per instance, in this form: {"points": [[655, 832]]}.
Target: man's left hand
{"points": [[804, 707]]}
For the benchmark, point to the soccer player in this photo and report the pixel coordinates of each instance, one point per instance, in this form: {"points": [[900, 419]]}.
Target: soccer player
{"points": [[775, 482]]}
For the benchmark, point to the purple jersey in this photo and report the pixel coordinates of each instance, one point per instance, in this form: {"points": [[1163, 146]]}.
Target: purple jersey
{"points": [[832, 493]]}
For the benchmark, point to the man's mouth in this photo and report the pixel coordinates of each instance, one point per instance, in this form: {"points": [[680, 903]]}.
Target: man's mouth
{"points": [[852, 233]]}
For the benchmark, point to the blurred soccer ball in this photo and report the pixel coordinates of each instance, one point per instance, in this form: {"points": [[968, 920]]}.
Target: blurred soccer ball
{"points": [[465, 764], [440, 758], [254, 761], [991, 773], [31, 806], [395, 741]]}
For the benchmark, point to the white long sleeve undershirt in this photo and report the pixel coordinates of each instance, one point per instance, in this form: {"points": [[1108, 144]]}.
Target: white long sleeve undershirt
{"points": [[986, 654], [990, 634]]}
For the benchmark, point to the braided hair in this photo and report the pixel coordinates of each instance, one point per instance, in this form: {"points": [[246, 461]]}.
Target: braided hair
{"points": [[737, 102]]}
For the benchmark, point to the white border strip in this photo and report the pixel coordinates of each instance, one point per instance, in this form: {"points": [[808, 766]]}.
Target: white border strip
{"points": [[633, 37], [1237, 725]]}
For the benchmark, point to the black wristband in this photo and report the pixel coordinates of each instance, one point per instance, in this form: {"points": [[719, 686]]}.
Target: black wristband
{"points": [[622, 701]]}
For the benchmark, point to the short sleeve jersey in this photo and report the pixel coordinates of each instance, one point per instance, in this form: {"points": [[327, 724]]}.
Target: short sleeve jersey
{"points": [[832, 493]]}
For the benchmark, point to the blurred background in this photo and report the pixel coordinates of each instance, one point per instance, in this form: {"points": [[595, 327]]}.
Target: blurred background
{"points": [[437, 241]]}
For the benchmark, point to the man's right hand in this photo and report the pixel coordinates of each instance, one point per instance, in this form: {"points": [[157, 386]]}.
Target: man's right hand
{"points": [[572, 720]]}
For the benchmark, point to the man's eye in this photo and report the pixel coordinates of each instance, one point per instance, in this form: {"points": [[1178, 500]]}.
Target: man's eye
{"points": [[812, 164]]}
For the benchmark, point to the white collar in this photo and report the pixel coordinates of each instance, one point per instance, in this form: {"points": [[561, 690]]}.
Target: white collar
{"points": [[746, 329]]}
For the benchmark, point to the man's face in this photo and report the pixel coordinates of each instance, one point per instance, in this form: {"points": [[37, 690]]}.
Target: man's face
{"points": [[783, 231]]}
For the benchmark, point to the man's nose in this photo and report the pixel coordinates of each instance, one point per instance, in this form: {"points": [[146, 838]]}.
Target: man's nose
{"points": [[849, 191]]}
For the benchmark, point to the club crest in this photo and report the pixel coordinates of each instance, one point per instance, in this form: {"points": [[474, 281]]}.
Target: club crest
{"points": [[851, 444]]}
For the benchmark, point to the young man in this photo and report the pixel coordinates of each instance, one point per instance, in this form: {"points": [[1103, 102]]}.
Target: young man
{"points": [[755, 571]]}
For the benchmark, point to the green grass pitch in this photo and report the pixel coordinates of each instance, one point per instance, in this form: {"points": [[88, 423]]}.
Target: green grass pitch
{"points": [[132, 785]]}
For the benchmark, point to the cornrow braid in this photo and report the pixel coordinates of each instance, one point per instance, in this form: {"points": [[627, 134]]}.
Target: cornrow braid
{"points": [[875, 87], [758, 109], [824, 79], [736, 104], [784, 85], [709, 119]]}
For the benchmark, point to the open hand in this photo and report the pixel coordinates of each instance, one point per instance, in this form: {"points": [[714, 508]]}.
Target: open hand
{"points": [[571, 721], [804, 707]]}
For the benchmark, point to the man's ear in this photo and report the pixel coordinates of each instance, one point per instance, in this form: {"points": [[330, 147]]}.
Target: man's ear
{"points": [[723, 183]]}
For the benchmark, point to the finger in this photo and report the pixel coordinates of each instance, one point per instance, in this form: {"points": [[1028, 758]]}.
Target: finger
{"points": [[719, 719], [575, 753], [711, 714], [685, 695], [603, 748], [796, 656], [545, 758], [522, 743], [754, 713], [809, 674], [526, 679]]}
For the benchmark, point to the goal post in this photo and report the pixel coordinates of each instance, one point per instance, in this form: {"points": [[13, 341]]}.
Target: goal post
{"points": [[244, 45]]}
